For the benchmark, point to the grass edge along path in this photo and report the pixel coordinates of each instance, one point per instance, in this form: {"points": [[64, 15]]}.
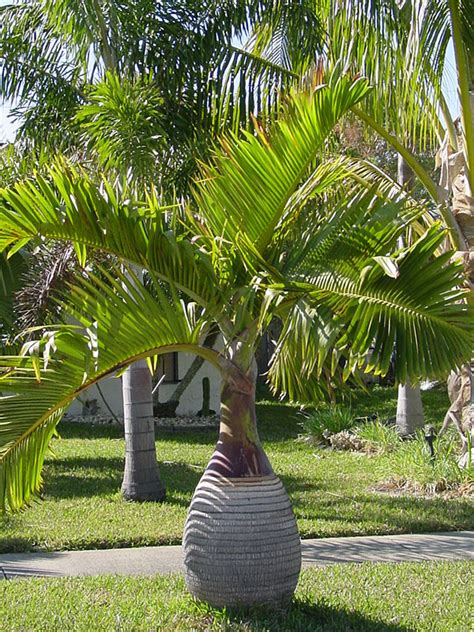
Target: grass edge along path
{"points": [[365, 597]]}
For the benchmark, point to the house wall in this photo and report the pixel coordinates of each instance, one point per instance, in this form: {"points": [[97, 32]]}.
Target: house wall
{"points": [[190, 403]]}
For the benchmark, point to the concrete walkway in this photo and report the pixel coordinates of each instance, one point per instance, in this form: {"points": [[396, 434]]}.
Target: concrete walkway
{"points": [[169, 559]]}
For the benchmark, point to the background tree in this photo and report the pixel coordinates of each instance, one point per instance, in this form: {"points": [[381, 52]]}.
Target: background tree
{"points": [[408, 46], [402, 48]]}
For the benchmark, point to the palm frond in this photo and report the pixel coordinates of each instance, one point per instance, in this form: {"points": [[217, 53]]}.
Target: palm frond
{"points": [[418, 312], [122, 124], [350, 193], [388, 43], [305, 364], [119, 322], [349, 223], [11, 271], [243, 195], [69, 206]]}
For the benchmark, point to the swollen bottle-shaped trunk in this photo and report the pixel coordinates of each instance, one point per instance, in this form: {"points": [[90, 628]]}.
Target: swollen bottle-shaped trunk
{"points": [[141, 480], [241, 543]]}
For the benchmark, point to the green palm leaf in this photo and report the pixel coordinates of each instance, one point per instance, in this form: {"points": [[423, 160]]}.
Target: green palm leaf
{"points": [[119, 322], [244, 194], [70, 206], [419, 314]]}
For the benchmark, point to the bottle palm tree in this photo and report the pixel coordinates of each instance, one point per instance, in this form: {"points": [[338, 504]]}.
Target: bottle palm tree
{"points": [[273, 232]]}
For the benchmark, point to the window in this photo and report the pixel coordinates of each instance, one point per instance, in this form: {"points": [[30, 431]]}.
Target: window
{"points": [[167, 367]]}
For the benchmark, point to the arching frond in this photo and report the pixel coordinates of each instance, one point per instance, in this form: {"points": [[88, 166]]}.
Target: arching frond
{"points": [[70, 206], [118, 322], [412, 306], [244, 194]]}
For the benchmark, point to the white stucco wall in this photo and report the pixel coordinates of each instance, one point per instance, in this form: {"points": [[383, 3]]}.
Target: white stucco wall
{"points": [[190, 403]]}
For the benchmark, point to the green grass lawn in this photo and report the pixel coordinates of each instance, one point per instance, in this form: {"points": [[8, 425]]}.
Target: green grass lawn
{"points": [[372, 597], [331, 492]]}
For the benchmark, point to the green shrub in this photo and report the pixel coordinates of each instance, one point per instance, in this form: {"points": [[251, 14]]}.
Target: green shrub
{"points": [[325, 421]]}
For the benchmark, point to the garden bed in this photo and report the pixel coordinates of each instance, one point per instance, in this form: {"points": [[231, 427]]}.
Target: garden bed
{"points": [[173, 423]]}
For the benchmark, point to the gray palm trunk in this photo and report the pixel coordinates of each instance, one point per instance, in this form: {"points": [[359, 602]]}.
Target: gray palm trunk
{"points": [[410, 416], [141, 480]]}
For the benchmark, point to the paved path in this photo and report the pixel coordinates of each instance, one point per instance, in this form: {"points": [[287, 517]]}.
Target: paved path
{"points": [[169, 559]]}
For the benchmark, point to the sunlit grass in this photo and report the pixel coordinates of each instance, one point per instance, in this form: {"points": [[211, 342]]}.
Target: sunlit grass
{"points": [[367, 597], [332, 492]]}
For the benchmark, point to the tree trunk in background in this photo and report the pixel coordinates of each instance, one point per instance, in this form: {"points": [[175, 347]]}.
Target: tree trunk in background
{"points": [[187, 379], [241, 544], [454, 182], [461, 411], [141, 480], [192, 370], [410, 415]]}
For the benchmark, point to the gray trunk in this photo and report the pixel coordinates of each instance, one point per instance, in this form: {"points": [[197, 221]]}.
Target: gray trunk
{"points": [[187, 379], [410, 415], [192, 371], [141, 479]]}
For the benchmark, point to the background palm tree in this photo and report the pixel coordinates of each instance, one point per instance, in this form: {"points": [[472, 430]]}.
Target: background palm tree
{"points": [[402, 48], [273, 232], [405, 55]]}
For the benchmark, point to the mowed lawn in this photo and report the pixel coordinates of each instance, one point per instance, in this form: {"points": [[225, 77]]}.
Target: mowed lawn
{"points": [[332, 492], [431, 596]]}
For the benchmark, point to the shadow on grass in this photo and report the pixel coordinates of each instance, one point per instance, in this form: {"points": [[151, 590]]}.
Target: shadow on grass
{"points": [[83, 477], [373, 514], [275, 421], [101, 476], [72, 430], [305, 616], [13, 544]]}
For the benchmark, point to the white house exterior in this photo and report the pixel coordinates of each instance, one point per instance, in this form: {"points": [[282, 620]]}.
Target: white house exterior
{"points": [[190, 402]]}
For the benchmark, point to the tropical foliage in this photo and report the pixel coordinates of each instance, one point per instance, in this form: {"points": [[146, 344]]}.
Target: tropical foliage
{"points": [[168, 75], [269, 236]]}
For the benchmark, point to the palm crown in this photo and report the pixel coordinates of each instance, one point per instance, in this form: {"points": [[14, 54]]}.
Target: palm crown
{"points": [[271, 233]]}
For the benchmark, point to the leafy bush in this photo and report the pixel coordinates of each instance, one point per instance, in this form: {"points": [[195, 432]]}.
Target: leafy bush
{"points": [[320, 424]]}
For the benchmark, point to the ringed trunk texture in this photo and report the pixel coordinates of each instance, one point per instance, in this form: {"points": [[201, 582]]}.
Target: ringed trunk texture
{"points": [[454, 181], [141, 480], [241, 543]]}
